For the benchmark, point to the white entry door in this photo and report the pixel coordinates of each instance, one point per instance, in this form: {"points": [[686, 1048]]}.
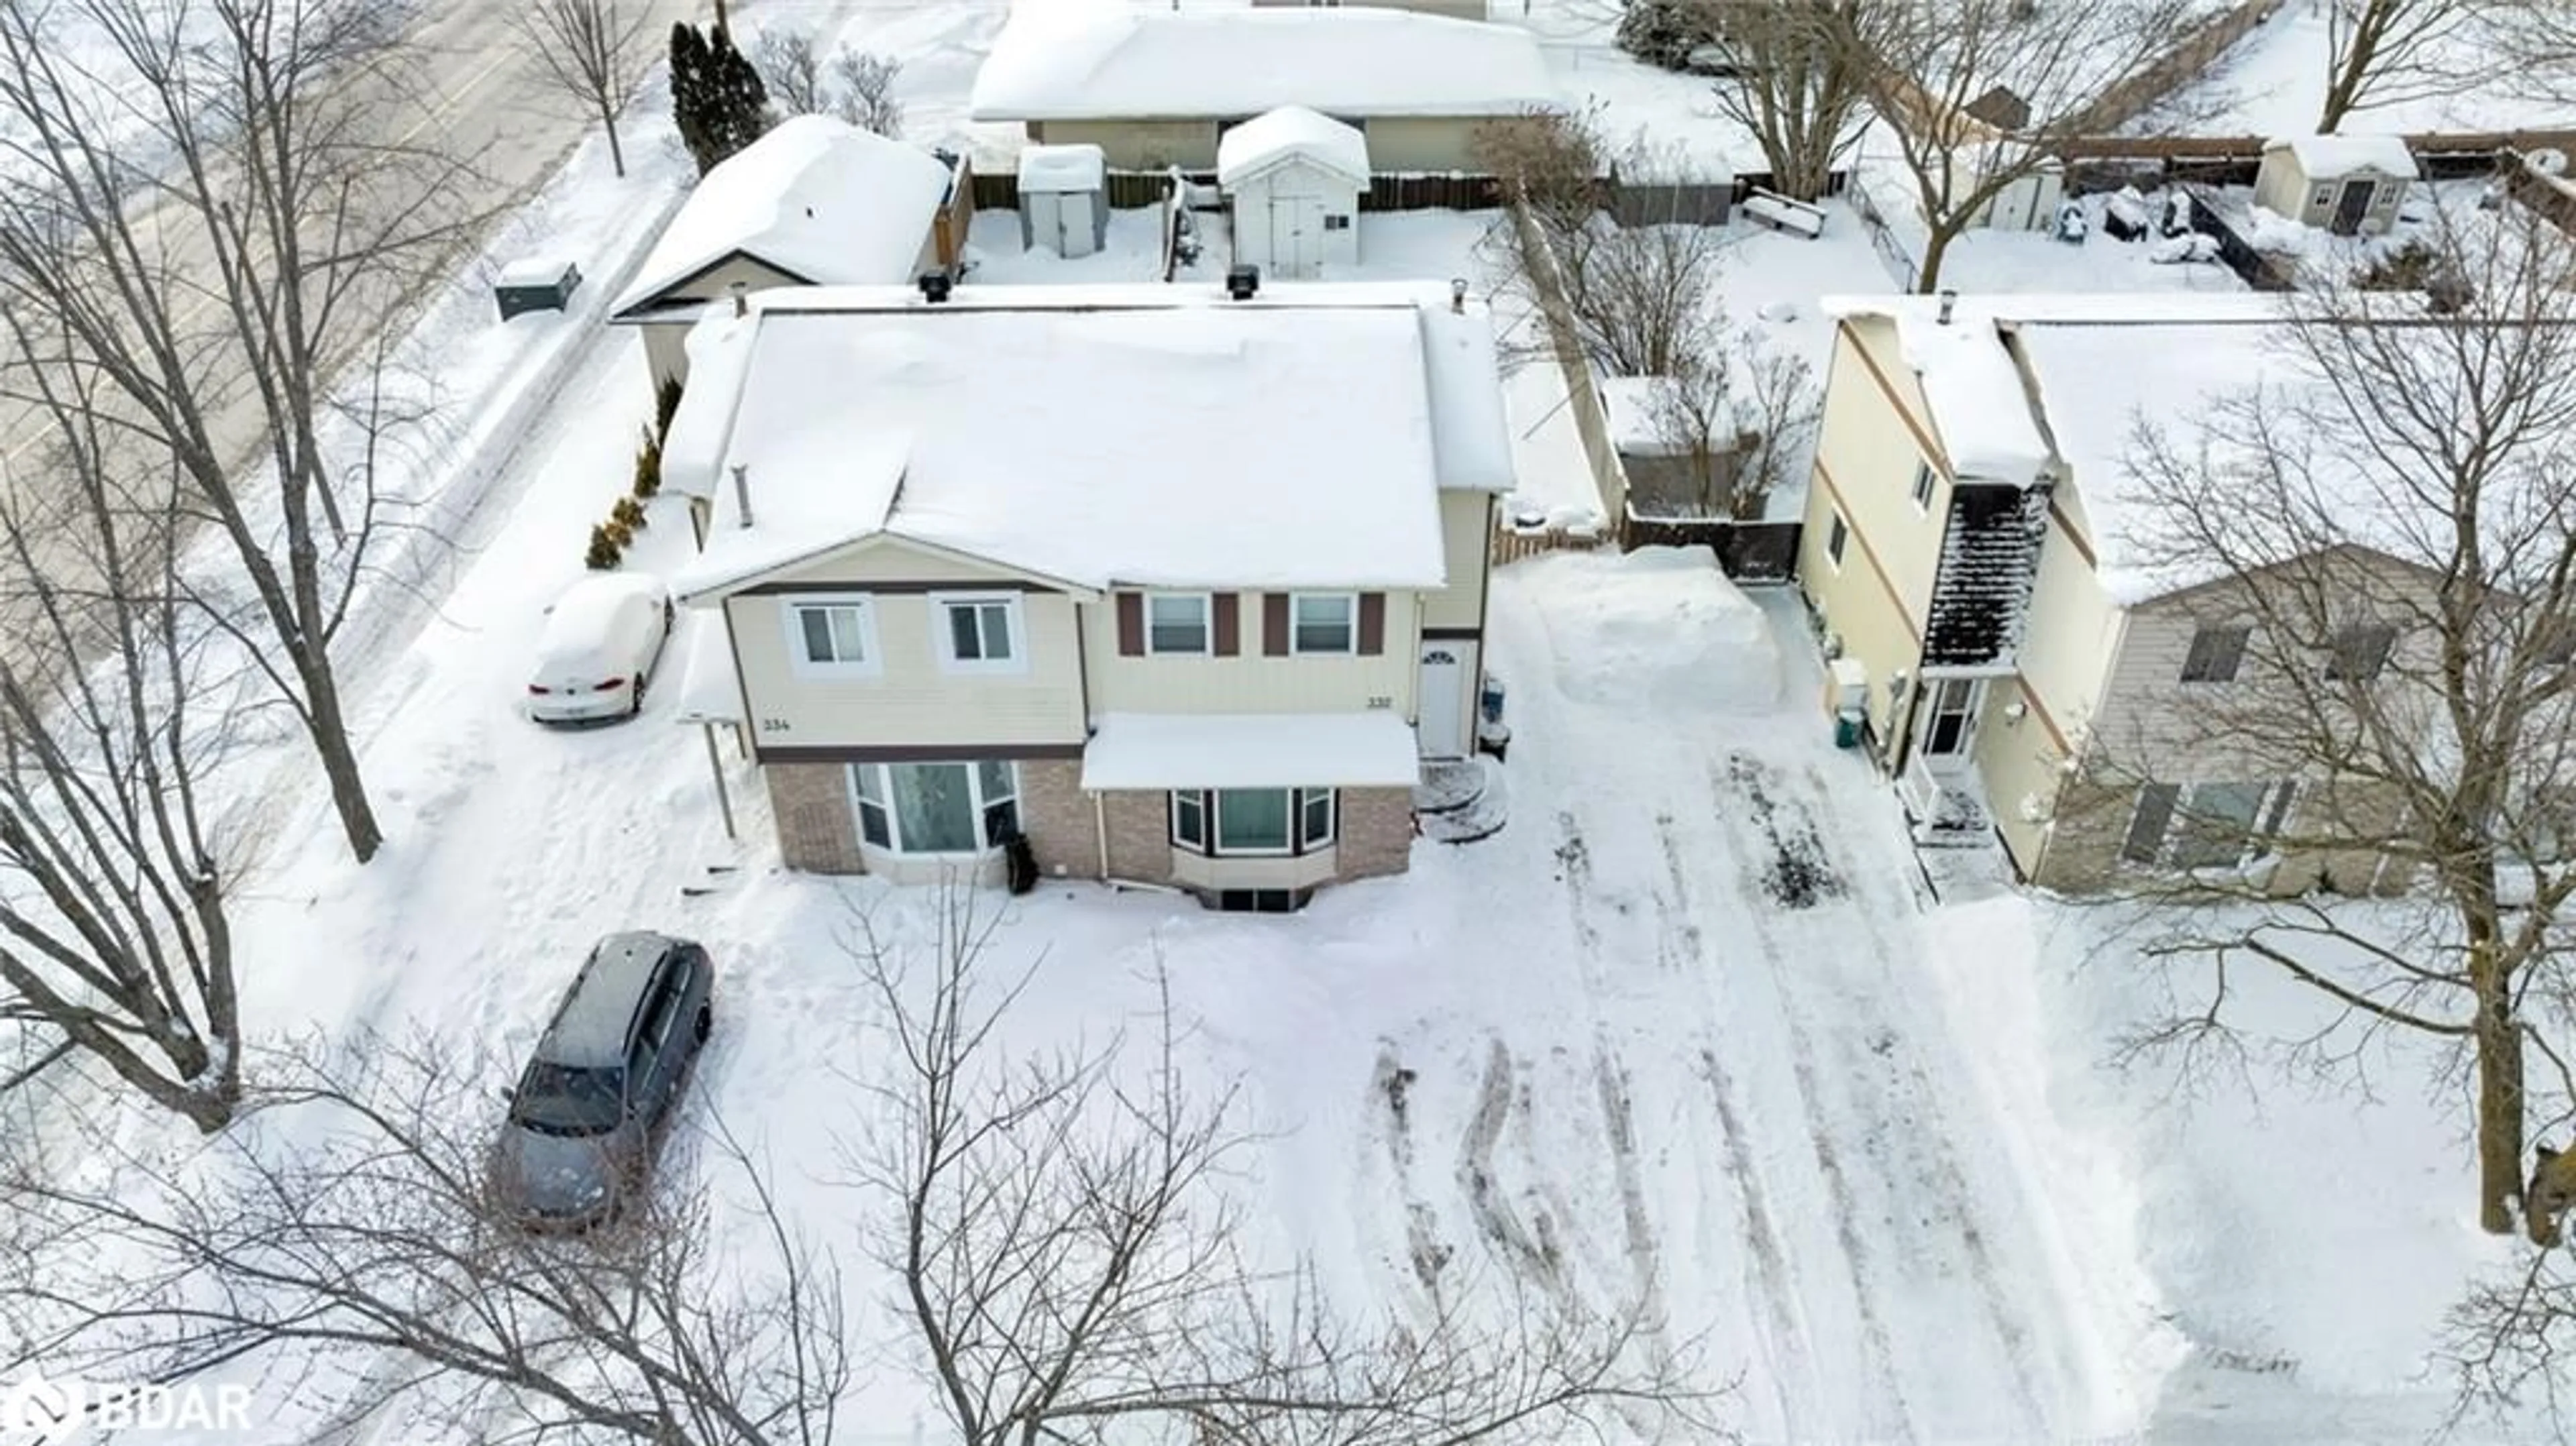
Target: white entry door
{"points": [[1441, 727], [1948, 722], [1296, 235]]}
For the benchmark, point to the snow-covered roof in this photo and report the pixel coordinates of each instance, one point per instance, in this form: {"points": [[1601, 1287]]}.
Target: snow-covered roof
{"points": [[1250, 750], [1291, 131], [1090, 59], [816, 197], [1099, 436], [1979, 408], [1077, 167], [535, 271], [2329, 158]]}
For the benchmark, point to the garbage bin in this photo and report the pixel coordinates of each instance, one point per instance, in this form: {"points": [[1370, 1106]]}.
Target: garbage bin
{"points": [[1491, 700], [1021, 862], [1847, 728]]}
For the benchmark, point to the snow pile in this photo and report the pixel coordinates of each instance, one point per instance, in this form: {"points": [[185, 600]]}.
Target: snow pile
{"points": [[1291, 130], [1658, 628], [2332, 158], [816, 197], [1063, 168], [2268, 230], [1083, 59]]}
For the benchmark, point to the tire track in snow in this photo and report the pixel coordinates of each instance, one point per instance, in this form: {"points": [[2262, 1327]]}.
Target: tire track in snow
{"points": [[1779, 1332], [1785, 830], [1428, 1254], [1531, 1247]]}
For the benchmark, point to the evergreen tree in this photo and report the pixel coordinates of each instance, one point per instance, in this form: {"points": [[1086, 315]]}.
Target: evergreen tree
{"points": [[690, 108], [740, 100]]}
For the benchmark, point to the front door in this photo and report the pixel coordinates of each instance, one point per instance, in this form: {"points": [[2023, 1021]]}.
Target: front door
{"points": [[2351, 206], [1441, 728], [1947, 727]]}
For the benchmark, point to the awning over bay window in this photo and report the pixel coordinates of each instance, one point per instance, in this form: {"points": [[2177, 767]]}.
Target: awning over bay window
{"points": [[1250, 750]]}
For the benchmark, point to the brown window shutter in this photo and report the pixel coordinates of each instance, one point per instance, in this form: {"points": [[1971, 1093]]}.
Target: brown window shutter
{"points": [[1372, 623], [1274, 624], [1131, 625], [1226, 610]]}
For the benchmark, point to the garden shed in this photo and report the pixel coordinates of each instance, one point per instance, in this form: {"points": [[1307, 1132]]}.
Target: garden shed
{"points": [[1292, 179], [1064, 198], [2351, 185]]}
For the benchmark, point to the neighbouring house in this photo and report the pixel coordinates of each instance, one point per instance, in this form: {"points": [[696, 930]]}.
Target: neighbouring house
{"points": [[1156, 88], [1064, 199], [1293, 179], [1182, 588], [816, 201], [1979, 558], [1454, 9], [2350, 185]]}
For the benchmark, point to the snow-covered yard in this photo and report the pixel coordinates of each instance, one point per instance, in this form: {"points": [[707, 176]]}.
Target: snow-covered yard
{"points": [[2273, 83]]}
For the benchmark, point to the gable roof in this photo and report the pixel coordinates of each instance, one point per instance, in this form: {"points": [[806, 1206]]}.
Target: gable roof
{"points": [[1097, 436], [1291, 132], [817, 198], [2327, 158], [1085, 59]]}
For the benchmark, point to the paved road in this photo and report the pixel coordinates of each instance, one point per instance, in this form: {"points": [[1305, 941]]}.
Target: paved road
{"points": [[483, 99]]}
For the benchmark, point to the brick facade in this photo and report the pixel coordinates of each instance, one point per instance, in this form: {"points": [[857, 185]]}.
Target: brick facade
{"points": [[816, 829], [1140, 836], [1376, 832], [1057, 816]]}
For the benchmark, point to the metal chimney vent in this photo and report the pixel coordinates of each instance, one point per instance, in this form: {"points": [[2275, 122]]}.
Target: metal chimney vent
{"points": [[742, 492], [1949, 299], [1458, 294], [1242, 281], [934, 286]]}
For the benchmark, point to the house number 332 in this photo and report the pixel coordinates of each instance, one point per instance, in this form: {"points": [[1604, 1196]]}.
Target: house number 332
{"points": [[1381, 701]]}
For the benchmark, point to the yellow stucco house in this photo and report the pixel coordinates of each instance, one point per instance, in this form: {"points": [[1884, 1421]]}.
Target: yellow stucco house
{"points": [[1181, 586], [1979, 560]]}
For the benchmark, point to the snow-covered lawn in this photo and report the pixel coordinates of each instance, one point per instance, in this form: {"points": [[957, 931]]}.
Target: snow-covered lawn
{"points": [[2273, 82]]}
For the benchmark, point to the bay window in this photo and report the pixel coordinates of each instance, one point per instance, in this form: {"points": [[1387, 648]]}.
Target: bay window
{"points": [[936, 808], [1253, 822]]}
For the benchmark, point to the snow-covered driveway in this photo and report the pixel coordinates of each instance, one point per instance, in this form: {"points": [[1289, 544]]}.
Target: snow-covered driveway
{"points": [[1694, 1050]]}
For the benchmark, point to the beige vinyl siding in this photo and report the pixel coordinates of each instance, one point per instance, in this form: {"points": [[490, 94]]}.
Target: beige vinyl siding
{"points": [[1137, 144], [1395, 143], [2068, 646], [1252, 682], [911, 699], [1466, 534], [1865, 457]]}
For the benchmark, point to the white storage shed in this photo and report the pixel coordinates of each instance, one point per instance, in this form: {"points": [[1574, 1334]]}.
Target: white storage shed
{"points": [[1064, 199], [2351, 185], [1292, 179]]}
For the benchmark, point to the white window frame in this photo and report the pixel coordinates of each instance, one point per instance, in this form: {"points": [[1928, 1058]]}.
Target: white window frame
{"points": [[2274, 808], [976, 801], [943, 641], [1837, 537], [1300, 843], [1926, 483], [791, 614], [1296, 644], [2244, 646], [1207, 625]]}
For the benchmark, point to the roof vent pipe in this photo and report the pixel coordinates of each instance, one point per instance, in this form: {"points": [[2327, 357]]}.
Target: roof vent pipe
{"points": [[1242, 281], [1458, 294], [742, 492], [741, 304], [1949, 299], [934, 286]]}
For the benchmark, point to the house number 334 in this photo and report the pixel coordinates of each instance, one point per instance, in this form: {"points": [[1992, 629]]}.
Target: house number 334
{"points": [[773, 725]]}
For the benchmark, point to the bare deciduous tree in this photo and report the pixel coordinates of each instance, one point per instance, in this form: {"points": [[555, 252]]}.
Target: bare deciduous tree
{"points": [[859, 88], [1800, 86], [1069, 1255], [113, 930], [2532, 46], [2388, 52], [216, 246], [593, 53], [1978, 93], [2380, 542], [1738, 414], [349, 1214]]}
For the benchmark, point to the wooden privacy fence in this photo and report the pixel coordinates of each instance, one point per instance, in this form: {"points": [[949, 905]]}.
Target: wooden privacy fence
{"points": [[1511, 544], [2253, 267], [1756, 552], [1130, 190]]}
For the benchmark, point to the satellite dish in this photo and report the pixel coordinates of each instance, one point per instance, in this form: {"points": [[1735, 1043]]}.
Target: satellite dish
{"points": [[2548, 161]]}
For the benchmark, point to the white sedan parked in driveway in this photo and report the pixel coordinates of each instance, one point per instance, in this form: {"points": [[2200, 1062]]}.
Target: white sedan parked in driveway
{"points": [[602, 640]]}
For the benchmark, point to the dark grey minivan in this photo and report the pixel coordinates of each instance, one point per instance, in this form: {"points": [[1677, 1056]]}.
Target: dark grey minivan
{"points": [[582, 1118]]}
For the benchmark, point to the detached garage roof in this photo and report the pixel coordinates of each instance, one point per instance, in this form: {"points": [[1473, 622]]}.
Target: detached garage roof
{"points": [[1086, 60], [817, 198], [1291, 131]]}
